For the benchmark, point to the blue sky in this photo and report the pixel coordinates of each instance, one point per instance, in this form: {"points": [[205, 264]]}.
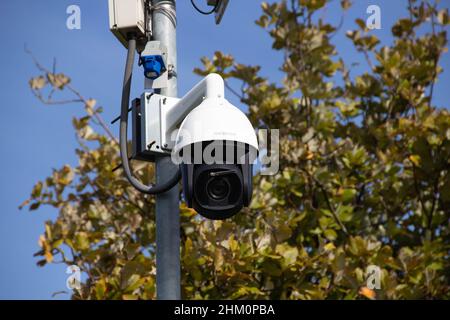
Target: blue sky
{"points": [[36, 138]]}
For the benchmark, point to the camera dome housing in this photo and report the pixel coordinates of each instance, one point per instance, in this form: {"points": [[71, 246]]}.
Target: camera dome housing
{"points": [[216, 146], [215, 119]]}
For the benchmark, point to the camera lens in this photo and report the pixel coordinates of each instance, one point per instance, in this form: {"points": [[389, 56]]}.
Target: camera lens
{"points": [[218, 188]]}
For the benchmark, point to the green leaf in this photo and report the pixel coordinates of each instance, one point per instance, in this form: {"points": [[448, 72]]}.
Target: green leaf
{"points": [[81, 241], [330, 234], [288, 253], [347, 195], [345, 213]]}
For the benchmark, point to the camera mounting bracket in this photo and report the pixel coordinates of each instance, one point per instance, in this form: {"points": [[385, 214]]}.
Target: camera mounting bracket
{"points": [[156, 117]]}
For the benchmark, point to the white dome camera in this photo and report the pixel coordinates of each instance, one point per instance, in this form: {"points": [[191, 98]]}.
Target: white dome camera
{"points": [[213, 142], [216, 145]]}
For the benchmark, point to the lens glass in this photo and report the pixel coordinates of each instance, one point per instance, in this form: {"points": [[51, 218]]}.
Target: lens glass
{"points": [[218, 188]]}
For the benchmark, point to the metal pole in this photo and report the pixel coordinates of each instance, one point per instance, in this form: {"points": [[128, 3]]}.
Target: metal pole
{"points": [[167, 204]]}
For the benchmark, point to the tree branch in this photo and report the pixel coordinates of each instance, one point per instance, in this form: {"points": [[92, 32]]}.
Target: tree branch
{"points": [[79, 98]]}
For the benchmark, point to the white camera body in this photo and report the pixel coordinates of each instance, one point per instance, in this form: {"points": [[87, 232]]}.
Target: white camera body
{"points": [[213, 141], [215, 119]]}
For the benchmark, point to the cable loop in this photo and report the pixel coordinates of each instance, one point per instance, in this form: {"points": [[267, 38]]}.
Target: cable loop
{"points": [[205, 12]]}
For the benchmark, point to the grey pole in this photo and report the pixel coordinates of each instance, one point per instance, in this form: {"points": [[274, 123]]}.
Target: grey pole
{"points": [[167, 204]]}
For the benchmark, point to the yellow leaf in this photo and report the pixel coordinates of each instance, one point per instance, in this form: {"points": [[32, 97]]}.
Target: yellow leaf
{"points": [[37, 83], [58, 80], [218, 259], [415, 159], [90, 104], [48, 256], [234, 245], [41, 241], [187, 212], [289, 253]]}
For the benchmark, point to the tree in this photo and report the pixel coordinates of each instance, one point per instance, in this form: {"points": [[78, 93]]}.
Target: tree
{"points": [[364, 177]]}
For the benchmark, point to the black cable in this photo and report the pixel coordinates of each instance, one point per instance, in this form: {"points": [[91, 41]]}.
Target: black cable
{"points": [[124, 127], [204, 12]]}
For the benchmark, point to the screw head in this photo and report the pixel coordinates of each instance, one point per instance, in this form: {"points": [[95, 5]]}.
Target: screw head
{"points": [[150, 145]]}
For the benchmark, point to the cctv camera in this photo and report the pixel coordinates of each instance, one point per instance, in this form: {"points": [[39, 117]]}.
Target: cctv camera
{"points": [[216, 145], [213, 142]]}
